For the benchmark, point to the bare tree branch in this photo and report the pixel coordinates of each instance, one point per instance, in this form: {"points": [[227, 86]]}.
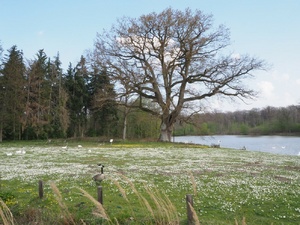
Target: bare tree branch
{"points": [[173, 58]]}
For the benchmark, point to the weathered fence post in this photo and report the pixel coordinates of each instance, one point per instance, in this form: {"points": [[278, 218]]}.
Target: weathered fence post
{"points": [[41, 189], [189, 205], [100, 194]]}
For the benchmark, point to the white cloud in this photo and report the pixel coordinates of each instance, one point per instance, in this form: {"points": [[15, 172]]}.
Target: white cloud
{"points": [[280, 76], [266, 88], [236, 56]]}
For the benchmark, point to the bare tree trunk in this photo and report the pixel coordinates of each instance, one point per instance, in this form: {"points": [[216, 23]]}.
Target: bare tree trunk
{"points": [[126, 112], [166, 132], [124, 126], [1, 130]]}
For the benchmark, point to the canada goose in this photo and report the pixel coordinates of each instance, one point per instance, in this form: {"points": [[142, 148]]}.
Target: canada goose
{"points": [[100, 176]]}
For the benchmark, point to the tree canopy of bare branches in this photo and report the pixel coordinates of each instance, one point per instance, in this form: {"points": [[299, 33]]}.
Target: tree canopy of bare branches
{"points": [[173, 59]]}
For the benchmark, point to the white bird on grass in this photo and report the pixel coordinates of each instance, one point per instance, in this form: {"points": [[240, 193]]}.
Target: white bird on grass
{"points": [[20, 152]]}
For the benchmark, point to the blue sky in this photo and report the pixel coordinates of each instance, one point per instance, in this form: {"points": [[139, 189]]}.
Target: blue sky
{"points": [[267, 29]]}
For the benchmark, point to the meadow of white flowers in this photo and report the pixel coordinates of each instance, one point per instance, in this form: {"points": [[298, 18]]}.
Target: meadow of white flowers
{"points": [[227, 179], [29, 163]]}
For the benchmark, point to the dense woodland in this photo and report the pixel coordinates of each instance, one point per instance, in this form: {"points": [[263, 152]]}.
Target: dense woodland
{"points": [[40, 101]]}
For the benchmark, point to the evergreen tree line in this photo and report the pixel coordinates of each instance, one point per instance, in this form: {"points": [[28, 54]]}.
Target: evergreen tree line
{"points": [[266, 121], [40, 101]]}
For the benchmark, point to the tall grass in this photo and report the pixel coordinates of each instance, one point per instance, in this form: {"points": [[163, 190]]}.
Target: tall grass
{"points": [[154, 203], [166, 211], [195, 218], [6, 214], [66, 215], [100, 211], [194, 185], [142, 200], [243, 221]]}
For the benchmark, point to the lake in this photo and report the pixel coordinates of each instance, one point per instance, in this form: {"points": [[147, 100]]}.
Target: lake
{"points": [[273, 144]]}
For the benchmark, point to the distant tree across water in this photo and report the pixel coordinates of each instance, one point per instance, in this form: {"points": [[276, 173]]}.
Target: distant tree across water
{"points": [[266, 121]]}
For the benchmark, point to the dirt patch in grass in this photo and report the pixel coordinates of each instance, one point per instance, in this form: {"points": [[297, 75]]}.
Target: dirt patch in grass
{"points": [[292, 168], [283, 179]]}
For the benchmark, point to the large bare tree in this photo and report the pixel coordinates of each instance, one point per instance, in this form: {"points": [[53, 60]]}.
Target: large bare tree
{"points": [[174, 58]]}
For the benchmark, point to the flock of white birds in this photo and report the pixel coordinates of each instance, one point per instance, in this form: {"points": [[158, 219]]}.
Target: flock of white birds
{"points": [[22, 152], [18, 152]]}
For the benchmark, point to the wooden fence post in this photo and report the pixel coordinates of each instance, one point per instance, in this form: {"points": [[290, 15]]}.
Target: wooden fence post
{"points": [[100, 194], [41, 189], [189, 204]]}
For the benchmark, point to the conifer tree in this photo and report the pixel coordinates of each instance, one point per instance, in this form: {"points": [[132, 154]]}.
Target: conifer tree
{"points": [[75, 82], [37, 104], [103, 107], [1, 95], [13, 93], [58, 113]]}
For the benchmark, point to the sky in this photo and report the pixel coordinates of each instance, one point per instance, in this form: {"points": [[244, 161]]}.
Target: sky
{"points": [[266, 29]]}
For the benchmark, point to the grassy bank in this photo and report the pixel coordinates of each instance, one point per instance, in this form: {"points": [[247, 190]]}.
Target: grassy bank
{"points": [[146, 183]]}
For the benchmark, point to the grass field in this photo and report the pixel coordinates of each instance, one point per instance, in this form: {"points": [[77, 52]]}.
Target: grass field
{"points": [[146, 183]]}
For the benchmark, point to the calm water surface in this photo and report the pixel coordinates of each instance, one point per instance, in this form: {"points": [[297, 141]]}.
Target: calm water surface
{"points": [[272, 144]]}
